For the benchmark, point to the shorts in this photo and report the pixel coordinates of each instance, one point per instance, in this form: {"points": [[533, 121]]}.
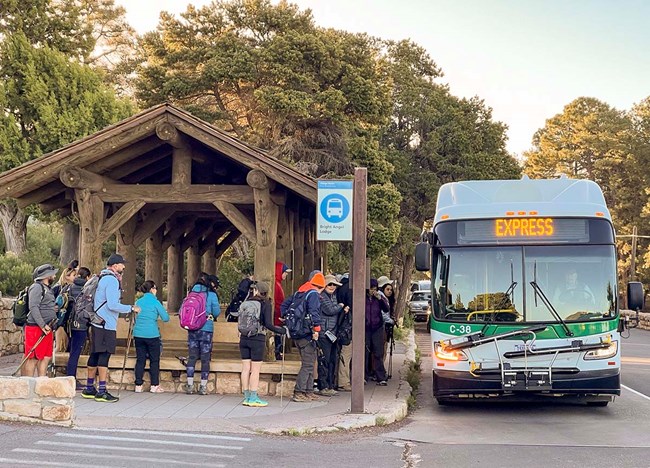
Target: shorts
{"points": [[102, 340], [252, 348], [44, 349]]}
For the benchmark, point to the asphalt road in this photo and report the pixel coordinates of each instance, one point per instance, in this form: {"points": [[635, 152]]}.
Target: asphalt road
{"points": [[489, 435]]}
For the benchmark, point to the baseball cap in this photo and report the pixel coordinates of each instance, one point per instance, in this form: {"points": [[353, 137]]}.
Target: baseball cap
{"points": [[286, 269], [114, 259]]}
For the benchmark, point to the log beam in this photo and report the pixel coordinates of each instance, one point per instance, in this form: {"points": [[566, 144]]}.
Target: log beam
{"points": [[151, 223], [163, 193], [226, 242], [211, 238], [192, 238], [238, 219], [119, 218], [78, 178], [178, 229]]}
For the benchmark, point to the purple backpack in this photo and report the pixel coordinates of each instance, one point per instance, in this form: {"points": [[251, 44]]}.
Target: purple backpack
{"points": [[192, 313]]}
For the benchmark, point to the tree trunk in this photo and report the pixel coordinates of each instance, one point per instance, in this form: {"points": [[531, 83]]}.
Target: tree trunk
{"points": [[407, 273], [14, 226], [70, 243]]}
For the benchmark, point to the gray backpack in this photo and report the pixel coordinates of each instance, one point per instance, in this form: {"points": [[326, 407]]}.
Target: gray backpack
{"points": [[248, 322]]}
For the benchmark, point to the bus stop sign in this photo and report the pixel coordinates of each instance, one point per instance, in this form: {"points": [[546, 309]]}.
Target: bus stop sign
{"points": [[334, 218]]}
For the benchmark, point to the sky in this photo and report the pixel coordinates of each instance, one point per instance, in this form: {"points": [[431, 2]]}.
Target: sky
{"points": [[526, 58]]}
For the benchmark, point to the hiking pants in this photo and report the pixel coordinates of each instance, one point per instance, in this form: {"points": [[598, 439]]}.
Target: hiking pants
{"points": [[375, 353], [199, 343], [77, 341], [326, 363], [344, 365], [147, 348], [305, 377]]}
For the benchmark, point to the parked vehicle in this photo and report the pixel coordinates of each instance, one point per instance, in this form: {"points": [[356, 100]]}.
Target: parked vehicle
{"points": [[422, 285], [420, 305]]}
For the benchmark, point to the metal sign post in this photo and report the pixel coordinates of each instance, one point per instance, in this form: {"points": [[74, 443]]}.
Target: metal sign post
{"points": [[360, 210]]}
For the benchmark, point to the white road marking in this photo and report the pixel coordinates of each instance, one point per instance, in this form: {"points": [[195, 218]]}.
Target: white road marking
{"points": [[176, 434], [131, 449], [635, 392], [133, 439], [115, 457], [16, 461]]}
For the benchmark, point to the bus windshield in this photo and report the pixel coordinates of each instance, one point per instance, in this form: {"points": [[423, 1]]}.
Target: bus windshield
{"points": [[493, 284]]}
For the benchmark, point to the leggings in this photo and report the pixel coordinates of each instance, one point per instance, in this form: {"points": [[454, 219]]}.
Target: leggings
{"points": [[199, 343], [77, 342]]}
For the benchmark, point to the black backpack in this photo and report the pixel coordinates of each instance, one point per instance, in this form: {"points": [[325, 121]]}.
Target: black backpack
{"points": [[20, 308], [296, 319]]}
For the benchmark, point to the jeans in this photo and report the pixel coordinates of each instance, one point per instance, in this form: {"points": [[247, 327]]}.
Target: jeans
{"points": [[305, 377], [375, 353], [147, 348], [326, 363], [77, 341]]}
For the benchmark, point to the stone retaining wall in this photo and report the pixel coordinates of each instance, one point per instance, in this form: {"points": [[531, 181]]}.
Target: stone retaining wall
{"points": [[41, 399], [11, 336], [644, 318]]}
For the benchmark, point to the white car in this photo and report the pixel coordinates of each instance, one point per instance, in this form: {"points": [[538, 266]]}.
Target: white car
{"points": [[334, 208]]}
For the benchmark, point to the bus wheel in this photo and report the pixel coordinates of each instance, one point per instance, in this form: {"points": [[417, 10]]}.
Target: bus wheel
{"points": [[597, 404]]}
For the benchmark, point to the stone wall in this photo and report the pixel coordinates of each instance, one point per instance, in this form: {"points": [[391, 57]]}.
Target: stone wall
{"points": [[11, 336], [644, 318], [41, 399]]}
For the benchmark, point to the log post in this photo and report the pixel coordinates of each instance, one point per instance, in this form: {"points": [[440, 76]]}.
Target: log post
{"points": [[209, 263], [174, 277], [127, 249], [299, 253], [153, 265], [193, 263], [266, 227], [283, 250], [309, 246], [91, 219]]}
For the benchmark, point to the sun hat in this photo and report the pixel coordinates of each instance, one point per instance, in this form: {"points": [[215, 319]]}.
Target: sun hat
{"points": [[331, 279], [44, 271]]}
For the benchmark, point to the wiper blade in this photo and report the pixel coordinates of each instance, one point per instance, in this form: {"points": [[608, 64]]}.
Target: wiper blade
{"points": [[476, 339], [493, 312], [549, 306]]}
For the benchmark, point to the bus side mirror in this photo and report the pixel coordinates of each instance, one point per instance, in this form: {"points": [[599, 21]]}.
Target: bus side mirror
{"points": [[423, 256], [635, 295]]}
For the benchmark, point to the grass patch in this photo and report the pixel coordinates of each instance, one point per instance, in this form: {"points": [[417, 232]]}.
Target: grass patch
{"points": [[293, 432], [411, 402], [380, 421], [413, 378]]}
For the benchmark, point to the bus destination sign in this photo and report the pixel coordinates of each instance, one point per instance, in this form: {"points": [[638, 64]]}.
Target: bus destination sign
{"points": [[524, 227]]}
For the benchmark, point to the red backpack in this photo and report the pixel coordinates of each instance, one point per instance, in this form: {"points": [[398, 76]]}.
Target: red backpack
{"points": [[192, 313]]}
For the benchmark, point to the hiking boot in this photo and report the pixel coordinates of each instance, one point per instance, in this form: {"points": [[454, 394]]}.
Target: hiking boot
{"points": [[90, 394], [256, 401], [300, 397], [138, 389], [312, 396], [203, 390], [105, 397], [189, 389]]}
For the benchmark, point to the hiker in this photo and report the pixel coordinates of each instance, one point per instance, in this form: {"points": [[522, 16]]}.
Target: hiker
{"points": [[305, 305], [281, 273], [344, 334], [199, 342], [61, 291], [330, 310], [253, 322], [377, 315], [239, 296], [78, 332], [147, 336], [40, 321], [103, 338]]}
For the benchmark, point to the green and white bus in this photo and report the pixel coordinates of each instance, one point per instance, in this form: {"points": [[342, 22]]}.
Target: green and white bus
{"points": [[524, 292]]}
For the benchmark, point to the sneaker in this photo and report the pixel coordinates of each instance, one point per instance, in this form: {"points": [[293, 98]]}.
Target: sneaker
{"points": [[383, 383], [203, 390], [89, 393], [312, 396], [138, 389], [156, 389], [345, 388], [328, 392], [189, 389], [105, 397], [300, 397], [257, 402]]}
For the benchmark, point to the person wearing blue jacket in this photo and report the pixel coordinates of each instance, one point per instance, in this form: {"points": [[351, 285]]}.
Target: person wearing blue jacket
{"points": [[147, 336], [199, 342]]}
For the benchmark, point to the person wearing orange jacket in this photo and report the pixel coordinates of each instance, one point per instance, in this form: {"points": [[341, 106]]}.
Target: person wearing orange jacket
{"points": [[281, 273]]}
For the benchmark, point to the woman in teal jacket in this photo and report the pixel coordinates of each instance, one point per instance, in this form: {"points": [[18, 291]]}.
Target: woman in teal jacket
{"points": [[199, 342], [147, 336]]}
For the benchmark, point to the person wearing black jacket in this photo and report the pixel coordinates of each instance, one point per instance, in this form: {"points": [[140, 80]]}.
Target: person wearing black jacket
{"points": [[239, 296], [344, 334], [78, 332], [251, 348], [330, 310]]}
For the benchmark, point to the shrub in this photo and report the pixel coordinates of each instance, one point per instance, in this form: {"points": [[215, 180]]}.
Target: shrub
{"points": [[16, 274]]}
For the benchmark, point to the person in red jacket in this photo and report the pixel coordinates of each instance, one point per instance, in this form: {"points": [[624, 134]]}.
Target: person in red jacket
{"points": [[281, 273]]}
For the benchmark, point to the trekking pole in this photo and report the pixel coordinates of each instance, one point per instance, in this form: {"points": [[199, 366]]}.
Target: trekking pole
{"points": [[51, 372], [42, 337], [126, 353], [390, 362], [282, 372]]}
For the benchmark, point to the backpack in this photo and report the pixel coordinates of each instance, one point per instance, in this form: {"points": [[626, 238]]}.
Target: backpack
{"points": [[237, 297], [249, 323], [344, 329], [20, 308], [192, 314], [296, 319], [84, 313]]}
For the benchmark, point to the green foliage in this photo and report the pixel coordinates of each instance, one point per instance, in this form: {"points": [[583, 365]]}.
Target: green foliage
{"points": [[43, 243], [16, 274], [232, 269]]}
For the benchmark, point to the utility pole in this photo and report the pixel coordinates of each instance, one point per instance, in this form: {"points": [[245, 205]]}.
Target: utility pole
{"points": [[633, 262]]}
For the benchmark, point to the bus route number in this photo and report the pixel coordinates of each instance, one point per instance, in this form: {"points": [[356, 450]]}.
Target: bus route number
{"points": [[460, 328]]}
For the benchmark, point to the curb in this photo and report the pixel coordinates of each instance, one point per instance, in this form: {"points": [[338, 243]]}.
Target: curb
{"points": [[390, 413]]}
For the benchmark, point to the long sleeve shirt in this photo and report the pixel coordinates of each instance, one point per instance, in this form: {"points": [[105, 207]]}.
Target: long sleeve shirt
{"points": [[42, 309], [146, 323], [211, 305], [107, 300]]}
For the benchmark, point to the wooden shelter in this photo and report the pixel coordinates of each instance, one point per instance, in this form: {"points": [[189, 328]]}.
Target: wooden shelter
{"points": [[179, 185]]}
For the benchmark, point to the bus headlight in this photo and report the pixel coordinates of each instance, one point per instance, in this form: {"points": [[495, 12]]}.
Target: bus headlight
{"points": [[449, 354], [603, 353]]}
